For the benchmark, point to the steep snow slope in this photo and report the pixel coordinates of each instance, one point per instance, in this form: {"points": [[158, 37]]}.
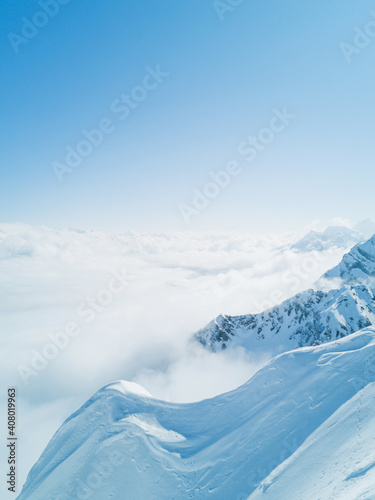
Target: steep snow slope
{"points": [[336, 461], [123, 444], [357, 266], [311, 316], [339, 236]]}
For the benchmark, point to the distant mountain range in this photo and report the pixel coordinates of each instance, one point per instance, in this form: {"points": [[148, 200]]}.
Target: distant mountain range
{"points": [[311, 317], [338, 236]]}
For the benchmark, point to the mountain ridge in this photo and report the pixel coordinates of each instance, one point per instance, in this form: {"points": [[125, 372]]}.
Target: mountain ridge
{"points": [[339, 236], [311, 316]]}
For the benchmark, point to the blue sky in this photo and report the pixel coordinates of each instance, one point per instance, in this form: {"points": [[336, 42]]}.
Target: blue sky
{"points": [[225, 76]]}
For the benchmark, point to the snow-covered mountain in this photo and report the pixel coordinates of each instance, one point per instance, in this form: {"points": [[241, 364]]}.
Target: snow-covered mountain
{"points": [[366, 227], [301, 428], [309, 317], [333, 236], [314, 316], [357, 266]]}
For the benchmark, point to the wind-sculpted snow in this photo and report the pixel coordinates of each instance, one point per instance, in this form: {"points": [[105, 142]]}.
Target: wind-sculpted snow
{"points": [[124, 444], [314, 316]]}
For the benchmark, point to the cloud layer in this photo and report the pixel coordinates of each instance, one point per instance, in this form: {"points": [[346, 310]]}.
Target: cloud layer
{"points": [[124, 306]]}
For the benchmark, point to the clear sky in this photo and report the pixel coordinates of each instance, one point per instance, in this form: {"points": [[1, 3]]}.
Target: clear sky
{"points": [[228, 69]]}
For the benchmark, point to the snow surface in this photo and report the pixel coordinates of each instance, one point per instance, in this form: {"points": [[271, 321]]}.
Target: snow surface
{"points": [[357, 266], [300, 428], [336, 461]]}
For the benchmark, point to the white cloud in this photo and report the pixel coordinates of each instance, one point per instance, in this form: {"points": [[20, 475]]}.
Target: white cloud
{"points": [[198, 374], [180, 281]]}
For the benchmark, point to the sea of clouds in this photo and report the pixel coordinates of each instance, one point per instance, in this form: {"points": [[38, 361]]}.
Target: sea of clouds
{"points": [[135, 300]]}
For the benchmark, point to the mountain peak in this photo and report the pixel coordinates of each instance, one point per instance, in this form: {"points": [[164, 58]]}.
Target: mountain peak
{"points": [[332, 236], [357, 266], [366, 227]]}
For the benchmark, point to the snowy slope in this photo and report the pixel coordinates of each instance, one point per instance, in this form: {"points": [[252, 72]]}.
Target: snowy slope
{"points": [[344, 461], [357, 266], [124, 444], [338, 236], [311, 316]]}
